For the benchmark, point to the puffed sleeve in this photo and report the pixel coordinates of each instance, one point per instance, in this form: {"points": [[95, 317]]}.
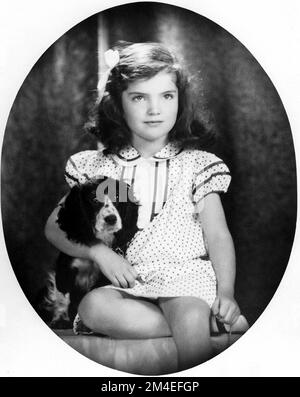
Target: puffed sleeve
{"points": [[79, 168], [211, 176]]}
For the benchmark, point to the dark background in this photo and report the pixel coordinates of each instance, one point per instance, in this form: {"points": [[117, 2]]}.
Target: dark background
{"points": [[254, 139]]}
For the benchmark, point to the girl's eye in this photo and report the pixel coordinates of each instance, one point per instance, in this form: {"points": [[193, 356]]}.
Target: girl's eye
{"points": [[168, 96], [138, 98]]}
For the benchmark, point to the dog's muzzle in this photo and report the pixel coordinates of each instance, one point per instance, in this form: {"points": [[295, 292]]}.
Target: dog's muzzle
{"points": [[110, 219]]}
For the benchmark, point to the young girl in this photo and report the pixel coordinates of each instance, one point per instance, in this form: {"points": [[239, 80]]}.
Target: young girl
{"points": [[180, 266]]}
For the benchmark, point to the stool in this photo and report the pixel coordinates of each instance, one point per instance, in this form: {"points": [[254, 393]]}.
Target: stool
{"points": [[155, 356]]}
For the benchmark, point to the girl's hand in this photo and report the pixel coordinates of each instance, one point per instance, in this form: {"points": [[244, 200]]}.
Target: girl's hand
{"points": [[117, 269], [226, 309]]}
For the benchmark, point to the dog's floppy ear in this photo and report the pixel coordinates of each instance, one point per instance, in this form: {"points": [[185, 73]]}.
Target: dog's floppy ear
{"points": [[75, 217], [129, 214]]}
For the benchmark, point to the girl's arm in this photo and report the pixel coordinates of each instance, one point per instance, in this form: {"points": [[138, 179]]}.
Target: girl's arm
{"points": [[117, 269], [222, 254]]}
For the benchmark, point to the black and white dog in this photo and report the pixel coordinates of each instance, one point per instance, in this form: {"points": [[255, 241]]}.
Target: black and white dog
{"points": [[100, 210]]}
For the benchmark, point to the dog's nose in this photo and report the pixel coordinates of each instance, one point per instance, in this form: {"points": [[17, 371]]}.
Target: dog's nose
{"points": [[110, 219]]}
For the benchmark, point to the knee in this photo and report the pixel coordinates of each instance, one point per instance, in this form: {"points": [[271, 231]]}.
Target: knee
{"points": [[195, 316], [92, 308]]}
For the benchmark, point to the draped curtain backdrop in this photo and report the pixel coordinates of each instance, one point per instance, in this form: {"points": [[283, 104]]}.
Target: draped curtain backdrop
{"points": [[45, 127]]}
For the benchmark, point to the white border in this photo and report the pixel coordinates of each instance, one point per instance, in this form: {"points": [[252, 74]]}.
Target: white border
{"points": [[270, 31]]}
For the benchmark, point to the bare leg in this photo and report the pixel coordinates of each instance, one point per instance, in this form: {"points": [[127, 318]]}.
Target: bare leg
{"points": [[120, 315], [188, 318]]}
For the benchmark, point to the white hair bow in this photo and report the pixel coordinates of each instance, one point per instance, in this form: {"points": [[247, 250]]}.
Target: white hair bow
{"points": [[111, 58]]}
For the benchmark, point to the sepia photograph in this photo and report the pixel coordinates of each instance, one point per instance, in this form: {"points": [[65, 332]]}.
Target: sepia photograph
{"points": [[148, 195]]}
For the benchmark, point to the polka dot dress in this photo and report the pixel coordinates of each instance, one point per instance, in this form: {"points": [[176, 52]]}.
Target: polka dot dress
{"points": [[169, 252]]}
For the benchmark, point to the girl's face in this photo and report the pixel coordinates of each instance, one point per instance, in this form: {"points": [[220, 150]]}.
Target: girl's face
{"points": [[150, 107]]}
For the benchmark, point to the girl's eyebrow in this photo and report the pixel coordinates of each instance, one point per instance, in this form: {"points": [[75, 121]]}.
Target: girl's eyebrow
{"points": [[169, 92], [136, 93], [145, 93]]}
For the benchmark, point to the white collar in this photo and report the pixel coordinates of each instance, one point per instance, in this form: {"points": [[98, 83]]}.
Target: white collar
{"points": [[130, 156]]}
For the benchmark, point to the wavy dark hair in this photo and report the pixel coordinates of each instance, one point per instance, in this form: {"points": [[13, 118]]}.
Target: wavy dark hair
{"points": [[143, 61]]}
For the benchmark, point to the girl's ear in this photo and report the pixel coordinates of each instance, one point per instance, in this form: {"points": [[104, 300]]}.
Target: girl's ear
{"points": [[73, 217]]}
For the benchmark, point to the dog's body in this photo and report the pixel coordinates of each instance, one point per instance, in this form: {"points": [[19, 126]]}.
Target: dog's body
{"points": [[102, 210]]}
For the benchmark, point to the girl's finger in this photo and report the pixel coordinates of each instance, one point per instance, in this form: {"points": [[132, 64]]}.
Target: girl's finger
{"points": [[215, 306], [114, 281], [223, 311], [130, 279], [229, 315], [235, 316], [232, 315], [122, 281]]}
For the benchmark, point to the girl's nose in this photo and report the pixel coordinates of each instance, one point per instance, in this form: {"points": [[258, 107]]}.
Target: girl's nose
{"points": [[154, 107]]}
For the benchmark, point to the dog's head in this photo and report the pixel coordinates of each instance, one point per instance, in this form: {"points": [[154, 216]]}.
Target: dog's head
{"points": [[97, 210]]}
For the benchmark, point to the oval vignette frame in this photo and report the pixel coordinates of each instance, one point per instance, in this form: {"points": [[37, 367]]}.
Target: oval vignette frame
{"points": [[23, 278]]}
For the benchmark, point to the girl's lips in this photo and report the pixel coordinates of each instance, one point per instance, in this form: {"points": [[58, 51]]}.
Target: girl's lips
{"points": [[153, 122]]}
